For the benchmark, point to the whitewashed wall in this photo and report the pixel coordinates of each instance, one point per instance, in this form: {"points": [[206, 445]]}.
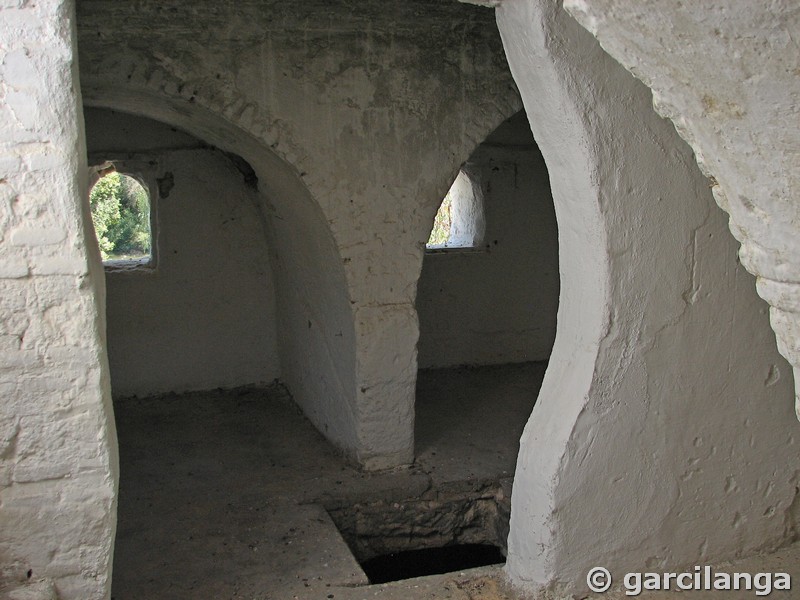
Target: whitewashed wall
{"points": [[659, 438], [58, 462], [349, 119], [663, 421], [726, 74], [203, 315]]}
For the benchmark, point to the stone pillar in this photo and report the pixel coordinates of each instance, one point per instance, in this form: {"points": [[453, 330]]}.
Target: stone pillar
{"points": [[58, 462]]}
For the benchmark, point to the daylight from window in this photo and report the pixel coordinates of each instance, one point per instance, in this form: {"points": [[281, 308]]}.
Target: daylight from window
{"points": [[459, 223], [441, 225], [121, 217]]}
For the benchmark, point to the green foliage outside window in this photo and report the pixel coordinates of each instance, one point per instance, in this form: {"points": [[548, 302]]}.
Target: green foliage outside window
{"points": [[121, 217]]}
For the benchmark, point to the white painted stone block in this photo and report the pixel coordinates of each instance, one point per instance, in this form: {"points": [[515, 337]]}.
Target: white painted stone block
{"points": [[37, 236], [13, 268], [40, 590]]}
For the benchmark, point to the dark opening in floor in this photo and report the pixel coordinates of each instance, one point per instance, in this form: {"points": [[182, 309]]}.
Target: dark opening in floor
{"points": [[430, 561]]}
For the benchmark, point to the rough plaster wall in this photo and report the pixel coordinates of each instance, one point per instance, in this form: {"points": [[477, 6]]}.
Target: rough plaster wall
{"points": [[204, 317], [497, 304], [315, 323], [662, 425], [58, 464], [309, 276], [727, 74], [374, 108], [120, 134]]}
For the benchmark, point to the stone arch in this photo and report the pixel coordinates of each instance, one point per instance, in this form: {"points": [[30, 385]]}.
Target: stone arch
{"points": [[315, 320], [328, 115], [189, 88], [729, 110], [443, 179], [491, 306], [617, 466]]}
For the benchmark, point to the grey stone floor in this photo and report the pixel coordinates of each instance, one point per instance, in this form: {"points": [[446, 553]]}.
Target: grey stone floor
{"points": [[222, 492]]}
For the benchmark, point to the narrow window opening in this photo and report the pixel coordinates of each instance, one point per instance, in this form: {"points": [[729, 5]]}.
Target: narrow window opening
{"points": [[120, 208], [460, 222]]}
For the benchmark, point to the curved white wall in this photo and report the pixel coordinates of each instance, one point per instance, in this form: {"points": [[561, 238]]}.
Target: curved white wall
{"points": [[726, 74], [659, 437]]}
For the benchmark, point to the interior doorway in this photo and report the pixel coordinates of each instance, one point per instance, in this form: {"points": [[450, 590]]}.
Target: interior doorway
{"points": [[487, 311]]}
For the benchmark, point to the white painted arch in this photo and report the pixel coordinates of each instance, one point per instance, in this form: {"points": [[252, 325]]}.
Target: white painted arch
{"points": [[361, 113], [659, 434], [311, 286]]}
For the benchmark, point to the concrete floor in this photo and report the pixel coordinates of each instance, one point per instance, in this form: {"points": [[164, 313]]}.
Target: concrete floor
{"points": [[223, 493]]}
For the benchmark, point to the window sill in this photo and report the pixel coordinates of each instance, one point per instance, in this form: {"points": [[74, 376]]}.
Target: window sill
{"points": [[456, 250], [136, 265]]}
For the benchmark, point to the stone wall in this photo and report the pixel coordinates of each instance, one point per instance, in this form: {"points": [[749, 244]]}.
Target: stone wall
{"points": [[726, 74], [58, 463]]}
